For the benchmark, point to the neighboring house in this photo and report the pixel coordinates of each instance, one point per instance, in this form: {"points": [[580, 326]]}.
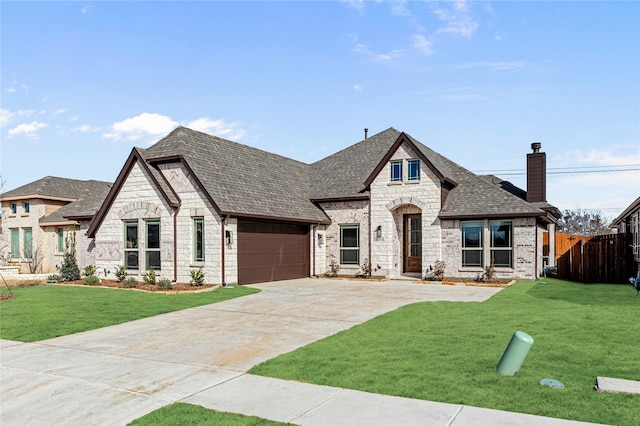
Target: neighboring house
{"points": [[38, 217], [244, 215], [629, 223]]}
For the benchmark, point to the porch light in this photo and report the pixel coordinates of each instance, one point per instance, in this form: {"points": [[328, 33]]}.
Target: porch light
{"points": [[320, 240], [378, 232]]}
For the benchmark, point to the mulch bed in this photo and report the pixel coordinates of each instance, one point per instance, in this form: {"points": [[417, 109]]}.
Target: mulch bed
{"points": [[6, 296], [144, 286]]}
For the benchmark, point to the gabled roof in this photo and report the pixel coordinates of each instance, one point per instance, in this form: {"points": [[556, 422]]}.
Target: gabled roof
{"points": [[241, 180], [628, 211], [89, 200], [49, 187], [137, 156]]}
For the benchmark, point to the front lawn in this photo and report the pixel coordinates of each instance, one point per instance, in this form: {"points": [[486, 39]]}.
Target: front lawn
{"points": [[445, 351], [186, 414], [44, 312]]}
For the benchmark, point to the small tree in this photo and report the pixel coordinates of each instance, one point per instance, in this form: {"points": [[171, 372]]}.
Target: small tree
{"points": [[583, 222], [69, 270]]}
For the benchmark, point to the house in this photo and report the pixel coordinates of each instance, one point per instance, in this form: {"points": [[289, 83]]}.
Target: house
{"points": [[38, 217], [244, 215], [628, 222]]}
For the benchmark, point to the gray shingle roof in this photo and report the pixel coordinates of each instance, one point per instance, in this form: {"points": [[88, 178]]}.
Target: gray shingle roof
{"points": [[49, 186], [89, 199], [240, 179]]}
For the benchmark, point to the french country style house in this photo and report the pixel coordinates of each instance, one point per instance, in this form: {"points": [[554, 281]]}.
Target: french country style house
{"points": [[39, 217], [244, 215]]}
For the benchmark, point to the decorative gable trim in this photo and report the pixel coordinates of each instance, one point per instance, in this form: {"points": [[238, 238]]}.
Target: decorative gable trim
{"points": [[403, 138], [134, 157]]}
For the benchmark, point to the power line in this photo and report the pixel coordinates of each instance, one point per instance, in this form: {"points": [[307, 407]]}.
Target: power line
{"points": [[575, 172], [576, 169]]}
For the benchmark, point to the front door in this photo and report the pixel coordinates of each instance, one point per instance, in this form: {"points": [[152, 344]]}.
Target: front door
{"points": [[413, 243]]}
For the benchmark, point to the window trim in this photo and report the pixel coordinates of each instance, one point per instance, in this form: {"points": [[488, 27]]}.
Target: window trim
{"points": [[148, 249], [196, 222], [416, 177], [136, 248], [355, 249], [393, 165], [14, 208], [60, 242], [464, 249], [27, 207], [15, 243], [27, 243], [493, 248]]}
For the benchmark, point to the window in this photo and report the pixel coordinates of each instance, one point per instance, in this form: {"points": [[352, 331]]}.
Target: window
{"points": [[414, 169], [198, 239], [396, 171], [60, 246], [472, 244], [349, 244], [131, 244], [14, 208], [501, 243], [27, 207], [152, 245], [15, 243], [27, 248]]}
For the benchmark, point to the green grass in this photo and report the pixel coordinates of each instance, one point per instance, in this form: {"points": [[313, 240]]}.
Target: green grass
{"points": [[448, 352], [185, 414], [44, 312]]}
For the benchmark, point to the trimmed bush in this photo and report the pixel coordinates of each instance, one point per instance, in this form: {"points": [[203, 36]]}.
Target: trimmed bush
{"points": [[164, 284], [89, 270], [91, 280], [130, 282]]}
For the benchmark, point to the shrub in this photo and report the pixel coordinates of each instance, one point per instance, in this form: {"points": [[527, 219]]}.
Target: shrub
{"points": [[120, 273], [130, 282], [197, 276], [365, 270], [438, 269], [69, 270], [334, 267], [164, 284], [89, 270], [91, 280], [54, 278], [150, 277]]}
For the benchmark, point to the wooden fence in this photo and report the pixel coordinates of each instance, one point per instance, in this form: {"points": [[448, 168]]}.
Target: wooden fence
{"points": [[596, 259]]}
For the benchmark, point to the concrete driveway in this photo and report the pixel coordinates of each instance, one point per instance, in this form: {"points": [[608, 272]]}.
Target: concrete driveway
{"points": [[116, 374]]}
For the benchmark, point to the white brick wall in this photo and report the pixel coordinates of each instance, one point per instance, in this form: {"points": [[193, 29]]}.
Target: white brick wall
{"points": [[525, 234]]}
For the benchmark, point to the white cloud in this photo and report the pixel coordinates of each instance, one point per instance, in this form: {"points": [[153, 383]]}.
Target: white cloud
{"points": [[217, 127], [355, 4], [11, 90], [421, 44], [6, 115], [151, 125], [495, 66], [85, 128], [59, 111], [29, 130], [357, 87], [143, 125], [363, 48]]}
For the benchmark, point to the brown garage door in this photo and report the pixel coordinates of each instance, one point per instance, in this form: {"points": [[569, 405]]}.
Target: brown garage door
{"points": [[271, 251]]}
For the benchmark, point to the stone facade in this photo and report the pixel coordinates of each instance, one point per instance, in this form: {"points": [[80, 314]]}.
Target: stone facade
{"points": [[390, 201]]}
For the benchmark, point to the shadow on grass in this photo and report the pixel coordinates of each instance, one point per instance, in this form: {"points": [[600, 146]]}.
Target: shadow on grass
{"points": [[585, 294]]}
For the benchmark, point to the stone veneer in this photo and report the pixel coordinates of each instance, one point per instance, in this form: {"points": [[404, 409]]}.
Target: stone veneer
{"points": [[390, 201]]}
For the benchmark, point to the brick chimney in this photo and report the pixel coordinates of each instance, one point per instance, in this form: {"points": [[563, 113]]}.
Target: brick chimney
{"points": [[536, 174]]}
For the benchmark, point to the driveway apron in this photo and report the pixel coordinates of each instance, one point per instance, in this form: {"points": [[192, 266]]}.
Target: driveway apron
{"points": [[116, 374]]}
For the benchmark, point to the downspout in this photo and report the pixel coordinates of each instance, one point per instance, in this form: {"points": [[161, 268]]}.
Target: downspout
{"points": [[370, 239], [224, 218], [175, 244], [313, 243]]}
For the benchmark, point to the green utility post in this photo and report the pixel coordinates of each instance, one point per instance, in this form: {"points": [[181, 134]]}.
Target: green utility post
{"points": [[514, 355]]}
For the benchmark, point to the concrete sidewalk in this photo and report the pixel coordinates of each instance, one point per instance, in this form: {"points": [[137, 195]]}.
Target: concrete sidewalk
{"points": [[114, 375]]}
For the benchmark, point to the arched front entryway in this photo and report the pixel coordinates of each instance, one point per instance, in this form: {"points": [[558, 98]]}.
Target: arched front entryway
{"points": [[407, 241]]}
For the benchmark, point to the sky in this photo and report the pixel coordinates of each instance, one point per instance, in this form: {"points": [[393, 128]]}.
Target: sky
{"points": [[82, 83]]}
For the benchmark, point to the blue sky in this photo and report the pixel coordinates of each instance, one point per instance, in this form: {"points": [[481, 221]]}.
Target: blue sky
{"points": [[84, 82]]}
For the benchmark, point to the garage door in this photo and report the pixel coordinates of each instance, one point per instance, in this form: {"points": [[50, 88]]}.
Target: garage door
{"points": [[271, 251]]}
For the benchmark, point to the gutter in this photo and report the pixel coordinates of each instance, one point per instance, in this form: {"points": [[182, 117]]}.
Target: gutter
{"points": [[175, 244]]}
